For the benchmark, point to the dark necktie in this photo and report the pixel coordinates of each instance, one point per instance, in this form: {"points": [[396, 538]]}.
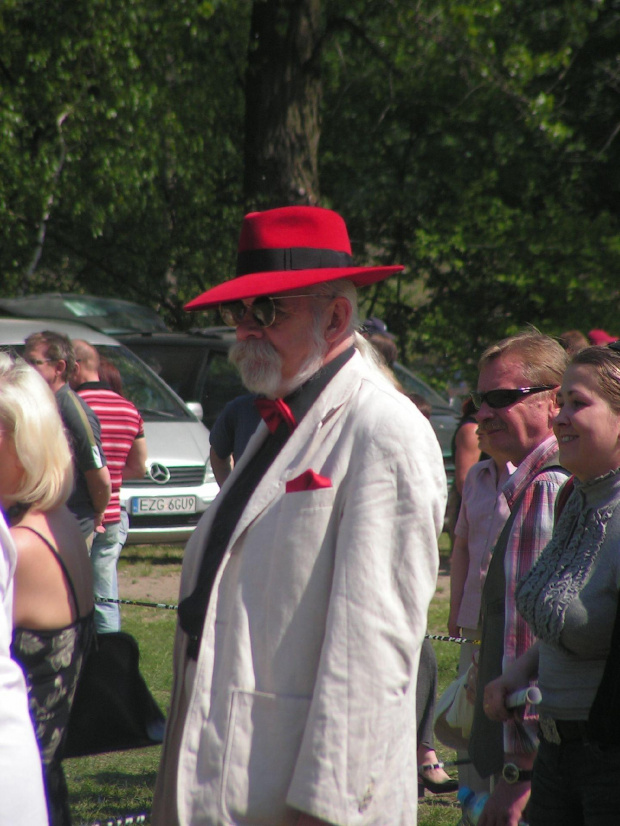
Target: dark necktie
{"points": [[275, 411]]}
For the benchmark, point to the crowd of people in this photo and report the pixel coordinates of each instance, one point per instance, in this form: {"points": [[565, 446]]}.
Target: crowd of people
{"points": [[300, 661]]}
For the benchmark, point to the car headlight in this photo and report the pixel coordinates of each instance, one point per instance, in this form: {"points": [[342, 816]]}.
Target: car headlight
{"points": [[209, 476]]}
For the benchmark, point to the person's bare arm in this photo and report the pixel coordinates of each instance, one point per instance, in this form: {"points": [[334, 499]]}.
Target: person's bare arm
{"points": [[466, 454], [459, 567], [135, 465], [221, 467], [99, 488], [506, 805]]}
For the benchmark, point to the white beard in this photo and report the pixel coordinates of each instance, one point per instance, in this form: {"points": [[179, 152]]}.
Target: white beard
{"points": [[260, 367], [259, 364]]}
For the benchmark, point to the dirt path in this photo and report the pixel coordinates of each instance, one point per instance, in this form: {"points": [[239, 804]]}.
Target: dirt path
{"points": [[163, 586], [158, 587]]}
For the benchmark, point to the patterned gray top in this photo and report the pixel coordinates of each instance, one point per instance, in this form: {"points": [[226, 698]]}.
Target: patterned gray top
{"points": [[570, 595]]}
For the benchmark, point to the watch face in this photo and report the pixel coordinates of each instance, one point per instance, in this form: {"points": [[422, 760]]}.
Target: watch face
{"points": [[510, 773]]}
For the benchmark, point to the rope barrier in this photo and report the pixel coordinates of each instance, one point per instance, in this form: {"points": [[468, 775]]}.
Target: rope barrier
{"points": [[143, 604], [125, 820], [459, 640], [106, 600]]}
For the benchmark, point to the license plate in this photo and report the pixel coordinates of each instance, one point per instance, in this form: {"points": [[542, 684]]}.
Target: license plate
{"points": [[163, 504]]}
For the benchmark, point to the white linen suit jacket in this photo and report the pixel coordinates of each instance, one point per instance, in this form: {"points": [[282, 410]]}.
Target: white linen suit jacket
{"points": [[303, 695]]}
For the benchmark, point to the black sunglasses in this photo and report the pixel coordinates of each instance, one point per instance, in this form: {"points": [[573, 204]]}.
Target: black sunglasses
{"points": [[263, 310], [505, 396]]}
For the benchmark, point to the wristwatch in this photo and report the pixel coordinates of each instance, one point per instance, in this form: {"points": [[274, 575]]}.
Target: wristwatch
{"points": [[513, 774]]}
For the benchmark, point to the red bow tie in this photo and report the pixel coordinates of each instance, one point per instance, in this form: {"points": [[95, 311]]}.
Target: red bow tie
{"points": [[274, 411]]}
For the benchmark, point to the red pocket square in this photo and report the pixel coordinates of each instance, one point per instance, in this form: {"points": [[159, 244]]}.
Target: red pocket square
{"points": [[309, 480]]}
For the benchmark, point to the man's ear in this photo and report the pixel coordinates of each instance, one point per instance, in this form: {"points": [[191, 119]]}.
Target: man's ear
{"points": [[552, 405], [60, 367], [338, 320]]}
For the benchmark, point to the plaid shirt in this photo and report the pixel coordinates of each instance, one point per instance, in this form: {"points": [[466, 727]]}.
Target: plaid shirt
{"points": [[531, 530]]}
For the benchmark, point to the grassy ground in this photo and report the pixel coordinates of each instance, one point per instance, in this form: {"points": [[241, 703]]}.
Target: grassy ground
{"points": [[106, 787]]}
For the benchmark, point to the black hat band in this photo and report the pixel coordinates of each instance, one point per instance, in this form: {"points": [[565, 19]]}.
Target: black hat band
{"points": [[293, 258]]}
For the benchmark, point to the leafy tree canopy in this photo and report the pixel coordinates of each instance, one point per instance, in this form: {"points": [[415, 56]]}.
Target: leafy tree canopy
{"points": [[477, 143]]}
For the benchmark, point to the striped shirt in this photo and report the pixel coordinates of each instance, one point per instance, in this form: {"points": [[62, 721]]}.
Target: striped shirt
{"points": [[121, 425], [531, 531]]}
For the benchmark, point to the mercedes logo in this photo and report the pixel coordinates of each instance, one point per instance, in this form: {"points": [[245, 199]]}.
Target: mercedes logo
{"points": [[159, 473]]}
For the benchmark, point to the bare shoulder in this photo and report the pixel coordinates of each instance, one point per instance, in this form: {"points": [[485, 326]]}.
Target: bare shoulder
{"points": [[35, 565], [26, 541], [42, 597], [57, 527]]}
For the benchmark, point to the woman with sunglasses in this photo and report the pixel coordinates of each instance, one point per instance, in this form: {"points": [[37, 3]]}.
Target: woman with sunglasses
{"points": [[53, 598], [570, 600]]}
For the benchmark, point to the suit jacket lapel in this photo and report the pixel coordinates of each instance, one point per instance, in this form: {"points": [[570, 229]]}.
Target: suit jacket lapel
{"points": [[297, 450]]}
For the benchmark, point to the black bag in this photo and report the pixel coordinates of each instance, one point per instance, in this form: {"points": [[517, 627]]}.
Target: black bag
{"points": [[113, 708]]}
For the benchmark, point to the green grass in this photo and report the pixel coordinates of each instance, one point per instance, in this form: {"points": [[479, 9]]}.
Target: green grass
{"points": [[121, 783]]}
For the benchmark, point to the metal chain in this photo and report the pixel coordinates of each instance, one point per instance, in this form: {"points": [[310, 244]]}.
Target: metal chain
{"points": [[123, 820], [105, 600], [459, 640]]}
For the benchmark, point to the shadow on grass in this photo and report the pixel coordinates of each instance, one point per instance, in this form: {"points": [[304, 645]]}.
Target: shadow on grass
{"points": [[120, 779], [445, 801]]}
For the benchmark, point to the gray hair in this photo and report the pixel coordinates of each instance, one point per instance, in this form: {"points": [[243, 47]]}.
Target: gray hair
{"points": [[544, 359]]}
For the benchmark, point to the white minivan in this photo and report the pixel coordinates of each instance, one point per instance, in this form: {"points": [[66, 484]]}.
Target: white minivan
{"points": [[179, 484]]}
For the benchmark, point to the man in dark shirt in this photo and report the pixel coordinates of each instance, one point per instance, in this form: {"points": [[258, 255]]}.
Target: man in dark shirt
{"points": [[51, 354]]}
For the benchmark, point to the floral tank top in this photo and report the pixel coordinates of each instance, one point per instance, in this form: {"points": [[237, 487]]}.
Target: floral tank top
{"points": [[51, 661]]}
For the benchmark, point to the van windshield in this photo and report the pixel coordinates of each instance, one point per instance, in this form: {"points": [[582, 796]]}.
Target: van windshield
{"points": [[153, 398]]}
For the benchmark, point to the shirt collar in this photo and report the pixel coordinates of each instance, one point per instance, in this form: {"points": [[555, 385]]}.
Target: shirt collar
{"points": [[528, 468]]}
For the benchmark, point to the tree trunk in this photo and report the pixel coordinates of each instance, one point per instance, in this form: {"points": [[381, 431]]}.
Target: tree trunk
{"points": [[282, 101]]}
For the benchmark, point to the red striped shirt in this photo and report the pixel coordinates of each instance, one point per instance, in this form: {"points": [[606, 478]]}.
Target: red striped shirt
{"points": [[121, 424]]}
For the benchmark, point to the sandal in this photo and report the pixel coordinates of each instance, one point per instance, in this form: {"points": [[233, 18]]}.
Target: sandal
{"points": [[425, 782]]}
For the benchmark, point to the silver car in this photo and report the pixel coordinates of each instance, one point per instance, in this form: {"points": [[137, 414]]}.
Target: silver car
{"points": [[179, 484]]}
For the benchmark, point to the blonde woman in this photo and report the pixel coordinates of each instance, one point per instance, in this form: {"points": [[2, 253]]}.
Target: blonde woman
{"points": [[21, 781], [53, 598]]}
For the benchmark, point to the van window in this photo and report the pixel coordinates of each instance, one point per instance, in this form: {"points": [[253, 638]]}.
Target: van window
{"points": [[150, 395]]}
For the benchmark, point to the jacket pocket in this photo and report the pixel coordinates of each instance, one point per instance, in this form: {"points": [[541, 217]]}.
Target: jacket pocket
{"points": [[263, 741]]}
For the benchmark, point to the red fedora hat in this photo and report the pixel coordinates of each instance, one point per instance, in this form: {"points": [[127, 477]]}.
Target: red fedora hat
{"points": [[288, 249]]}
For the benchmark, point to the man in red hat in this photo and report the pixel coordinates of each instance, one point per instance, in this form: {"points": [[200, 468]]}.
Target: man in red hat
{"points": [[306, 585]]}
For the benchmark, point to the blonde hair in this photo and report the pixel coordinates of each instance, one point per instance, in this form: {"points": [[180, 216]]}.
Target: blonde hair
{"points": [[29, 413]]}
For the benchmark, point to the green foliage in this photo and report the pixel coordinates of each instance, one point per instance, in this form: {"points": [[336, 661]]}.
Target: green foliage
{"points": [[120, 133], [476, 143], [470, 159]]}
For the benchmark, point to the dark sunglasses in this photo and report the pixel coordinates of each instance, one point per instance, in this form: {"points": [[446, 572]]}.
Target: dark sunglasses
{"points": [[614, 345], [505, 396], [263, 310]]}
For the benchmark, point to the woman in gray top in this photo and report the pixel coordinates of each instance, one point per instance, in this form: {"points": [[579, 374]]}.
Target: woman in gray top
{"points": [[570, 599]]}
